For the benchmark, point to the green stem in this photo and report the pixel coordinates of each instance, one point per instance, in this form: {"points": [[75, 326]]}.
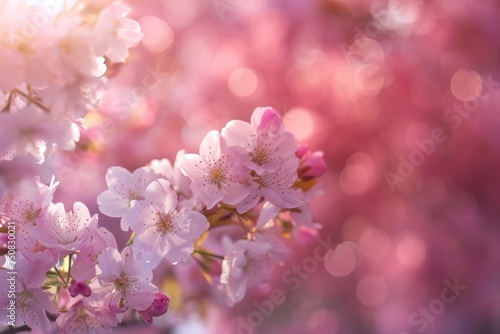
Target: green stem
{"points": [[130, 240], [209, 254], [69, 268], [61, 276], [242, 223], [56, 294], [241, 217]]}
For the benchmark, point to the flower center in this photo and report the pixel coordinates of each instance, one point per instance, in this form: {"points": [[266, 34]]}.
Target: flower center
{"points": [[260, 156], [82, 315], [30, 215], [164, 223], [122, 283], [133, 195], [216, 175], [24, 297]]}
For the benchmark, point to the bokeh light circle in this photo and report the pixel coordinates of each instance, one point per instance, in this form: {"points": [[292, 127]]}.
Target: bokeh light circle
{"points": [[411, 251], [243, 82], [158, 36], [372, 290], [354, 180], [466, 85], [341, 261], [300, 122]]}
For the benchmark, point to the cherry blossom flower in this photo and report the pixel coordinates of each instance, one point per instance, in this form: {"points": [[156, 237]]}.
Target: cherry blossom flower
{"points": [[275, 187], [72, 101], [129, 278], [125, 189], [65, 231], [31, 301], [246, 265], [30, 248], [82, 318], [89, 314], [115, 33], [298, 218], [172, 172], [72, 57], [216, 173], [265, 142], [33, 131], [29, 208], [163, 231]]}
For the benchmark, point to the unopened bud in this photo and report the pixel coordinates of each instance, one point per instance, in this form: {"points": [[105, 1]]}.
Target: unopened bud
{"points": [[157, 308]]}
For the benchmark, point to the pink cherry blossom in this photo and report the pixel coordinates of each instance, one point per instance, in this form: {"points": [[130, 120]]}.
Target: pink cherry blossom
{"points": [[265, 142], [30, 207], [125, 189], [216, 173], [89, 314], [279, 252], [115, 33], [128, 277], [246, 265], [300, 217], [82, 318], [162, 230], [72, 57], [31, 301], [33, 131], [275, 187], [30, 248], [172, 172], [65, 231]]}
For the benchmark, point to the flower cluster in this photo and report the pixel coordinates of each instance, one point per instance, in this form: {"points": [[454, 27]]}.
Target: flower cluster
{"points": [[54, 66], [63, 272], [64, 256], [249, 175]]}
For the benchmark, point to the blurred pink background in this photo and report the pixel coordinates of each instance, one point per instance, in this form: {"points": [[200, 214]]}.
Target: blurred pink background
{"points": [[402, 97]]}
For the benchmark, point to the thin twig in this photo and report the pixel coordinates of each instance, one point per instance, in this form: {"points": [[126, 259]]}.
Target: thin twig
{"points": [[32, 100], [61, 276], [209, 254], [9, 102]]}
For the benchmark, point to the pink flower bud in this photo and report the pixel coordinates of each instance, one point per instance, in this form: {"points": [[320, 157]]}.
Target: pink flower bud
{"points": [[159, 307], [312, 165], [302, 151], [316, 163], [79, 288], [266, 117]]}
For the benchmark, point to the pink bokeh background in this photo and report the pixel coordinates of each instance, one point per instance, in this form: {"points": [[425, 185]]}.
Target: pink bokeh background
{"points": [[367, 83]]}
